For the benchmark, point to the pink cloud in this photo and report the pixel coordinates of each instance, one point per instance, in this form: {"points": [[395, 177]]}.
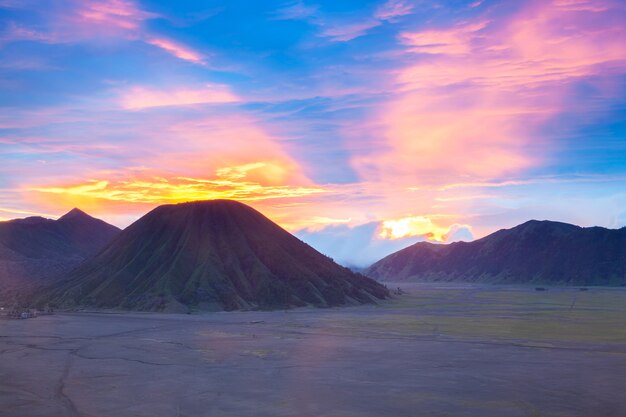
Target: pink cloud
{"points": [[176, 158], [178, 50], [471, 104], [393, 9], [581, 5], [545, 42], [89, 20], [14, 32], [125, 18], [121, 14], [138, 98], [92, 19], [85, 20], [451, 41]]}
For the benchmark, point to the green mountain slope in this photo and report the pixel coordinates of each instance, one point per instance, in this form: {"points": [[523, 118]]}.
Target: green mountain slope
{"points": [[533, 252], [210, 255], [35, 251]]}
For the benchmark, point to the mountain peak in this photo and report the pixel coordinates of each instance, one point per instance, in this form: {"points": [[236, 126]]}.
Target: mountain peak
{"points": [[214, 254], [209, 203], [545, 225], [546, 222], [74, 213]]}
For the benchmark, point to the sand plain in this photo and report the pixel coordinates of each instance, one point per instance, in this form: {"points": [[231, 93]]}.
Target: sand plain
{"points": [[453, 350]]}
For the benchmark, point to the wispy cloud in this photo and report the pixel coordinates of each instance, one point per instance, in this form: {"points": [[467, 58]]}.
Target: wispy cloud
{"points": [[393, 9], [456, 41], [87, 20], [122, 14], [342, 29], [346, 31], [14, 32], [178, 50], [571, 179], [137, 98], [296, 10]]}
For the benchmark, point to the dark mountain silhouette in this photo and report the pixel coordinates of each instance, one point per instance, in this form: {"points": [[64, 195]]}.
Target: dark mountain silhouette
{"points": [[210, 255], [533, 252], [36, 250]]}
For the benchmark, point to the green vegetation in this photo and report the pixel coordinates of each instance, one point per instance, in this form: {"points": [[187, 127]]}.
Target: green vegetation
{"points": [[207, 256], [525, 316]]}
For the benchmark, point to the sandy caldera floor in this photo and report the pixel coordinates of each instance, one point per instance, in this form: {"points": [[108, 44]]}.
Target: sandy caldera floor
{"points": [[436, 351]]}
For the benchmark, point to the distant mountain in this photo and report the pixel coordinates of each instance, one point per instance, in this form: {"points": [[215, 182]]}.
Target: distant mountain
{"points": [[35, 250], [533, 252], [210, 255]]}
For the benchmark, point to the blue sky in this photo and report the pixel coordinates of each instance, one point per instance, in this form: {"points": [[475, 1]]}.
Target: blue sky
{"points": [[361, 126]]}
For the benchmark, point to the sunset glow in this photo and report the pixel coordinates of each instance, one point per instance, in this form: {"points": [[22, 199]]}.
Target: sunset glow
{"points": [[375, 123], [415, 226]]}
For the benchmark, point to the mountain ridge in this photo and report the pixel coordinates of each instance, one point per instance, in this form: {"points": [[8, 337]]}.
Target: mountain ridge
{"points": [[35, 250], [537, 251]]}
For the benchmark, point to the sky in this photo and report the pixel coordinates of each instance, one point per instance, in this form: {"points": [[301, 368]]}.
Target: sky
{"points": [[360, 126]]}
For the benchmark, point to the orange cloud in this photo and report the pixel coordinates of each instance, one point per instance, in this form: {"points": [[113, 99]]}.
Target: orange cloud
{"points": [[155, 189], [229, 143], [138, 194], [138, 98], [227, 156], [417, 226]]}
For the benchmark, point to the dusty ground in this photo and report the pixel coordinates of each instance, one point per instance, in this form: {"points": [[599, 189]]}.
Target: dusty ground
{"points": [[454, 351]]}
